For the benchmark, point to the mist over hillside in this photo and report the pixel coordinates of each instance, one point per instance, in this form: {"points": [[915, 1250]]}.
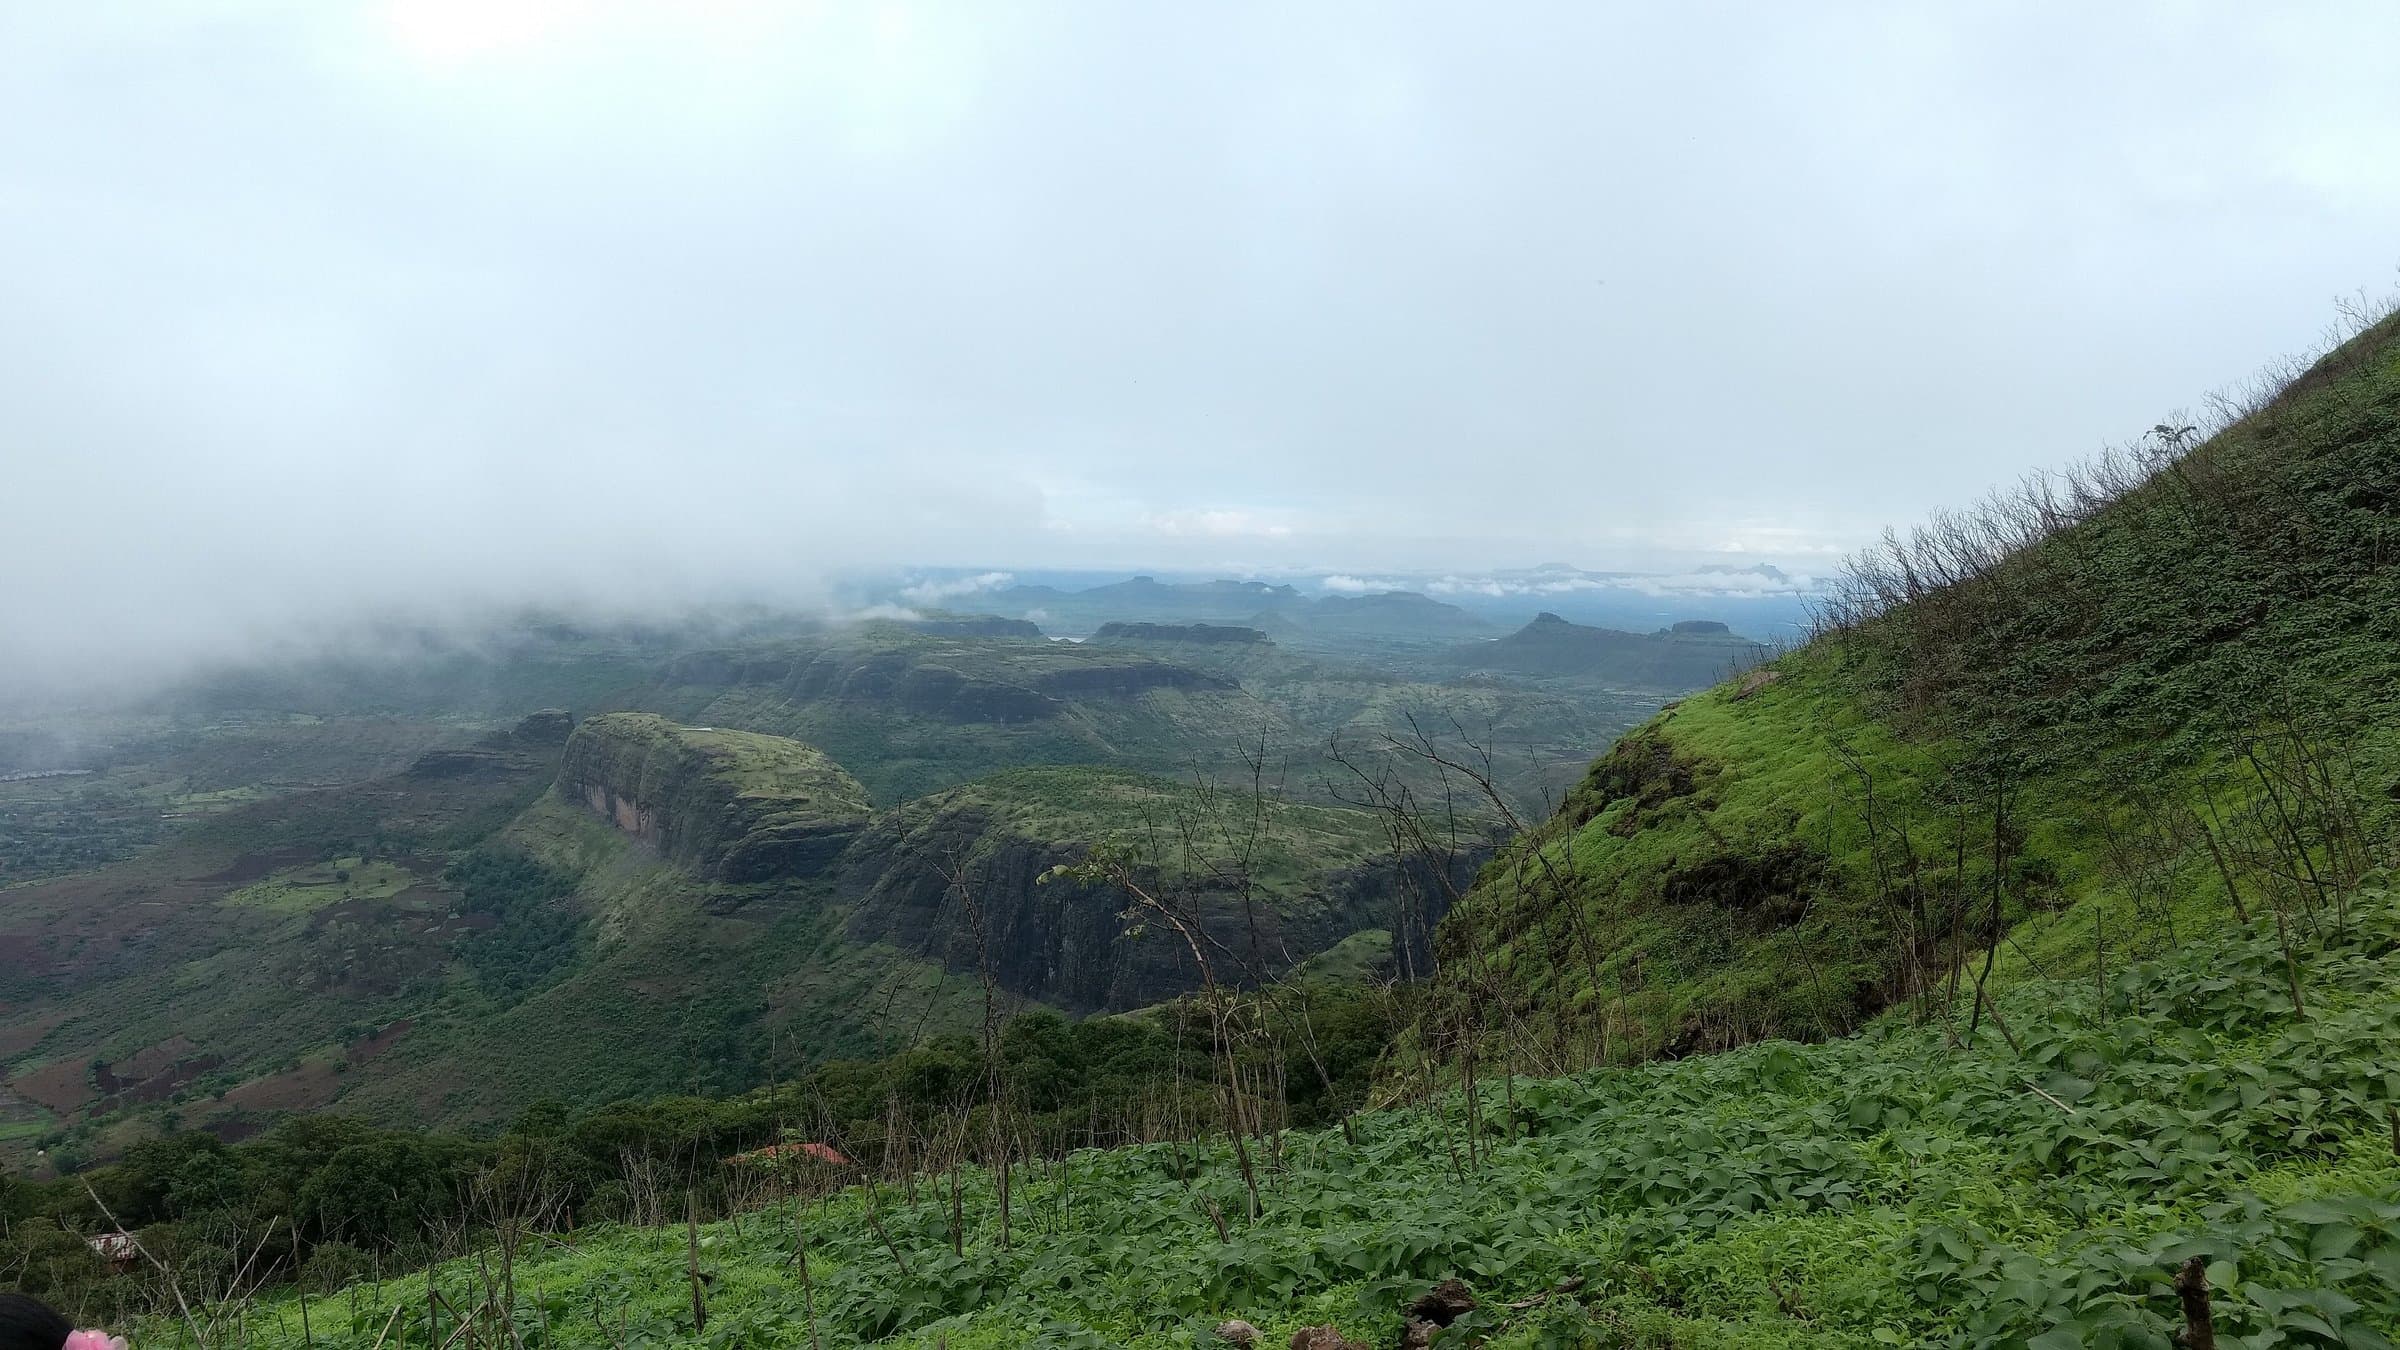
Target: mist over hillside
{"points": [[1149, 677]]}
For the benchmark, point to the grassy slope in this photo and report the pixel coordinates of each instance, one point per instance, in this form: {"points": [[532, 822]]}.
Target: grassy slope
{"points": [[1729, 886], [1291, 845], [276, 972], [1542, 731], [1886, 1189], [687, 987]]}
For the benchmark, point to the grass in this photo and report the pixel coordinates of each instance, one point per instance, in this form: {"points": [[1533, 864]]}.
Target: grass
{"points": [[1291, 845], [711, 798], [306, 889], [687, 986], [2065, 733], [1886, 1189], [845, 693]]}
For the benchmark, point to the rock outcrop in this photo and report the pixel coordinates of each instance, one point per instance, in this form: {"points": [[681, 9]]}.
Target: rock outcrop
{"points": [[733, 806], [912, 877], [548, 726]]}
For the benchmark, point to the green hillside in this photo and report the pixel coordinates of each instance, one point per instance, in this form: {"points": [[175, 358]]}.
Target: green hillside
{"points": [[911, 712], [2054, 871], [964, 876], [640, 907], [1887, 1189], [2086, 721], [731, 805]]}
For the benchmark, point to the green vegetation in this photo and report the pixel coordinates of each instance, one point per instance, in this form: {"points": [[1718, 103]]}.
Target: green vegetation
{"points": [[2154, 696], [299, 890], [533, 935], [1189, 828], [2068, 843], [735, 805], [327, 1198], [912, 713], [1893, 1188]]}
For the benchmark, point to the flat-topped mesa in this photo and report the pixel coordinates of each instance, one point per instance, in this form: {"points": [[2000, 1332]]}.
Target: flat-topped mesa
{"points": [[734, 806], [974, 625], [1694, 652], [1314, 876], [1212, 633]]}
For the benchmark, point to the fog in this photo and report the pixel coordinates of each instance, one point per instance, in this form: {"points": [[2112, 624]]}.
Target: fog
{"points": [[321, 311]]}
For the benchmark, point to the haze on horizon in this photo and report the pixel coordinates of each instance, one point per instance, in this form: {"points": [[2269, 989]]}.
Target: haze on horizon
{"points": [[320, 310]]}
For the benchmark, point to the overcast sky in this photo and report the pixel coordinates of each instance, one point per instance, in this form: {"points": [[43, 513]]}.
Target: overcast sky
{"points": [[312, 306]]}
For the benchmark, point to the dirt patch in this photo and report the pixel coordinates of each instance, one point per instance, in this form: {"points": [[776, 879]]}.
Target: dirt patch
{"points": [[158, 1087], [151, 1074], [142, 1065], [362, 1051], [62, 1085], [302, 1089], [24, 951], [252, 867]]}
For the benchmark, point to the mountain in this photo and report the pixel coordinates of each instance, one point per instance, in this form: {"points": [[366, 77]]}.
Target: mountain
{"points": [[2152, 698], [1312, 876], [1279, 609], [634, 907], [1389, 614], [973, 625], [1144, 599], [1688, 655], [2012, 964], [1135, 633]]}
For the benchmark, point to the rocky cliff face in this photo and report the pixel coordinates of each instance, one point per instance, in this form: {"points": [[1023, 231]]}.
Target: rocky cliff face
{"points": [[730, 805], [957, 878]]}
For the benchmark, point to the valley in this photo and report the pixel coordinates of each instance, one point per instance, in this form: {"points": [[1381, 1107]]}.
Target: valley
{"points": [[322, 886], [887, 676], [2001, 966]]}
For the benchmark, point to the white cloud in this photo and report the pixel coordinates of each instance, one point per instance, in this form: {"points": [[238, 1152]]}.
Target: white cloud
{"points": [[347, 306], [937, 589], [1342, 584], [1724, 580]]}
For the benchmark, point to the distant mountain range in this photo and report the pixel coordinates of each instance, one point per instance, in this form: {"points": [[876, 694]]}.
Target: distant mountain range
{"points": [[1756, 598], [1279, 610], [1690, 653]]}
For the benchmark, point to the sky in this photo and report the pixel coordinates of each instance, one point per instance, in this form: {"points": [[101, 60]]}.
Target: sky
{"points": [[315, 309]]}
